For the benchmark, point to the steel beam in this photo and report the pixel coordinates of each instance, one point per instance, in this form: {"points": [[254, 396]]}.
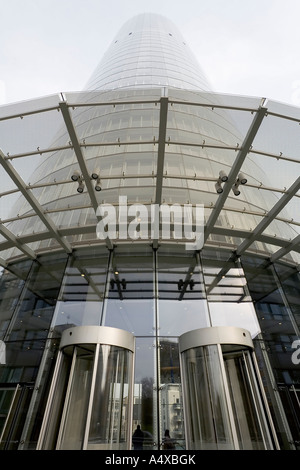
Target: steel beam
{"points": [[269, 217], [284, 251], [164, 104], [242, 154], [81, 160], [35, 205]]}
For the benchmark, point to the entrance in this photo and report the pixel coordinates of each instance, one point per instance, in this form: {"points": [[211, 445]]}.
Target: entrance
{"points": [[90, 401], [224, 402]]}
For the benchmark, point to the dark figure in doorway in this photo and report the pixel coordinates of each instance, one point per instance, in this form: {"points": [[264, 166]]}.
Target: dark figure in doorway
{"points": [[167, 441], [138, 438]]}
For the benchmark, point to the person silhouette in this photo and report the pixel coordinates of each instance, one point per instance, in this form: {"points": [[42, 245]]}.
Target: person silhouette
{"points": [[167, 441], [138, 438]]}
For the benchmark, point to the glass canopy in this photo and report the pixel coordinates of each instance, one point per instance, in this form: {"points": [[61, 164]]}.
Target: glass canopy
{"points": [[152, 146]]}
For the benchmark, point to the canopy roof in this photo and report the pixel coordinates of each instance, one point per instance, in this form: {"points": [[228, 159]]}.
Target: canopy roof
{"points": [[160, 162]]}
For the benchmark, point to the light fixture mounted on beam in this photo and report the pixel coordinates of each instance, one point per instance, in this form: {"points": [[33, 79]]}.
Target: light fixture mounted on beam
{"points": [[96, 176], [80, 188], [77, 177], [222, 179], [241, 179]]}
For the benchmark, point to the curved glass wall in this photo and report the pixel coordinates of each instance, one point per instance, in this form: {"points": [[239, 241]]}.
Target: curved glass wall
{"points": [[154, 134], [142, 293], [148, 50]]}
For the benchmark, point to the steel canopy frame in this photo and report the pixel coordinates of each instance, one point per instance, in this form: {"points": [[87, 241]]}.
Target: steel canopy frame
{"points": [[39, 210], [20, 241], [246, 146]]}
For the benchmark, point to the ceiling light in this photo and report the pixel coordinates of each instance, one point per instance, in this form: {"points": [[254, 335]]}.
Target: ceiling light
{"points": [[218, 187], [97, 185], [80, 187], [95, 174], [235, 190], [242, 178], [76, 176], [223, 176]]}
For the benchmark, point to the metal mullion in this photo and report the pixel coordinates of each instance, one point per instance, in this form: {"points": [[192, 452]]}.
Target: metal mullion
{"points": [[254, 393], [49, 401], [228, 399], [67, 398], [157, 345], [91, 399], [285, 301], [261, 394], [17, 388]]}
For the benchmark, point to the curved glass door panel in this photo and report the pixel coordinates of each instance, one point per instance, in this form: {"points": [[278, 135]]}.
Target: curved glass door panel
{"points": [[204, 390], [77, 400], [110, 411], [225, 404], [91, 396], [252, 429]]}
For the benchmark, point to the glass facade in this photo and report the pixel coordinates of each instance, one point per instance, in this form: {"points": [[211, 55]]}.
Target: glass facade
{"points": [[147, 132]]}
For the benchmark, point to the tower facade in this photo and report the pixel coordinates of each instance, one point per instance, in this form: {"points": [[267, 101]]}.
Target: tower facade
{"points": [[147, 213]]}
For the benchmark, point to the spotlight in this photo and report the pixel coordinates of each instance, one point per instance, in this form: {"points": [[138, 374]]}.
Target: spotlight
{"points": [[76, 176], [223, 176], [80, 187], [242, 178], [235, 190], [123, 282], [180, 284], [192, 283], [97, 185], [95, 174], [218, 187]]}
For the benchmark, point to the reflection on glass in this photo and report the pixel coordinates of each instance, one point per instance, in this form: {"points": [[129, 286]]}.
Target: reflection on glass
{"points": [[170, 392], [130, 293], [182, 300], [82, 293], [6, 398], [110, 412], [208, 417], [75, 412], [144, 390]]}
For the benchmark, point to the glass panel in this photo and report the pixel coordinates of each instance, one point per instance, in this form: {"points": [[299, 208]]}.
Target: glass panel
{"points": [[181, 292], [72, 433], [110, 412], [6, 398], [55, 412], [33, 318], [83, 287], [171, 393], [130, 304], [207, 418], [11, 437], [245, 402], [144, 394]]}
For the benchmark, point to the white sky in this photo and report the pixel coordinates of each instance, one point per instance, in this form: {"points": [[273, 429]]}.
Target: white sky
{"points": [[246, 47]]}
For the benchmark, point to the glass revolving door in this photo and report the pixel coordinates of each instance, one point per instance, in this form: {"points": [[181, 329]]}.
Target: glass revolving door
{"points": [[90, 401], [224, 402]]}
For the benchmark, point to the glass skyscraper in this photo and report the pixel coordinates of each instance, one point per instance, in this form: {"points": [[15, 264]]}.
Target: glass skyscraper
{"points": [[150, 261]]}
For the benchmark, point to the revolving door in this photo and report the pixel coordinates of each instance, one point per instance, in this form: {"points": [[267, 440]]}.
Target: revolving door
{"points": [[224, 401], [91, 396]]}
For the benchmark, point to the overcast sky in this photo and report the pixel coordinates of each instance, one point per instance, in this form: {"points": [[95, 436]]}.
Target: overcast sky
{"points": [[246, 47]]}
